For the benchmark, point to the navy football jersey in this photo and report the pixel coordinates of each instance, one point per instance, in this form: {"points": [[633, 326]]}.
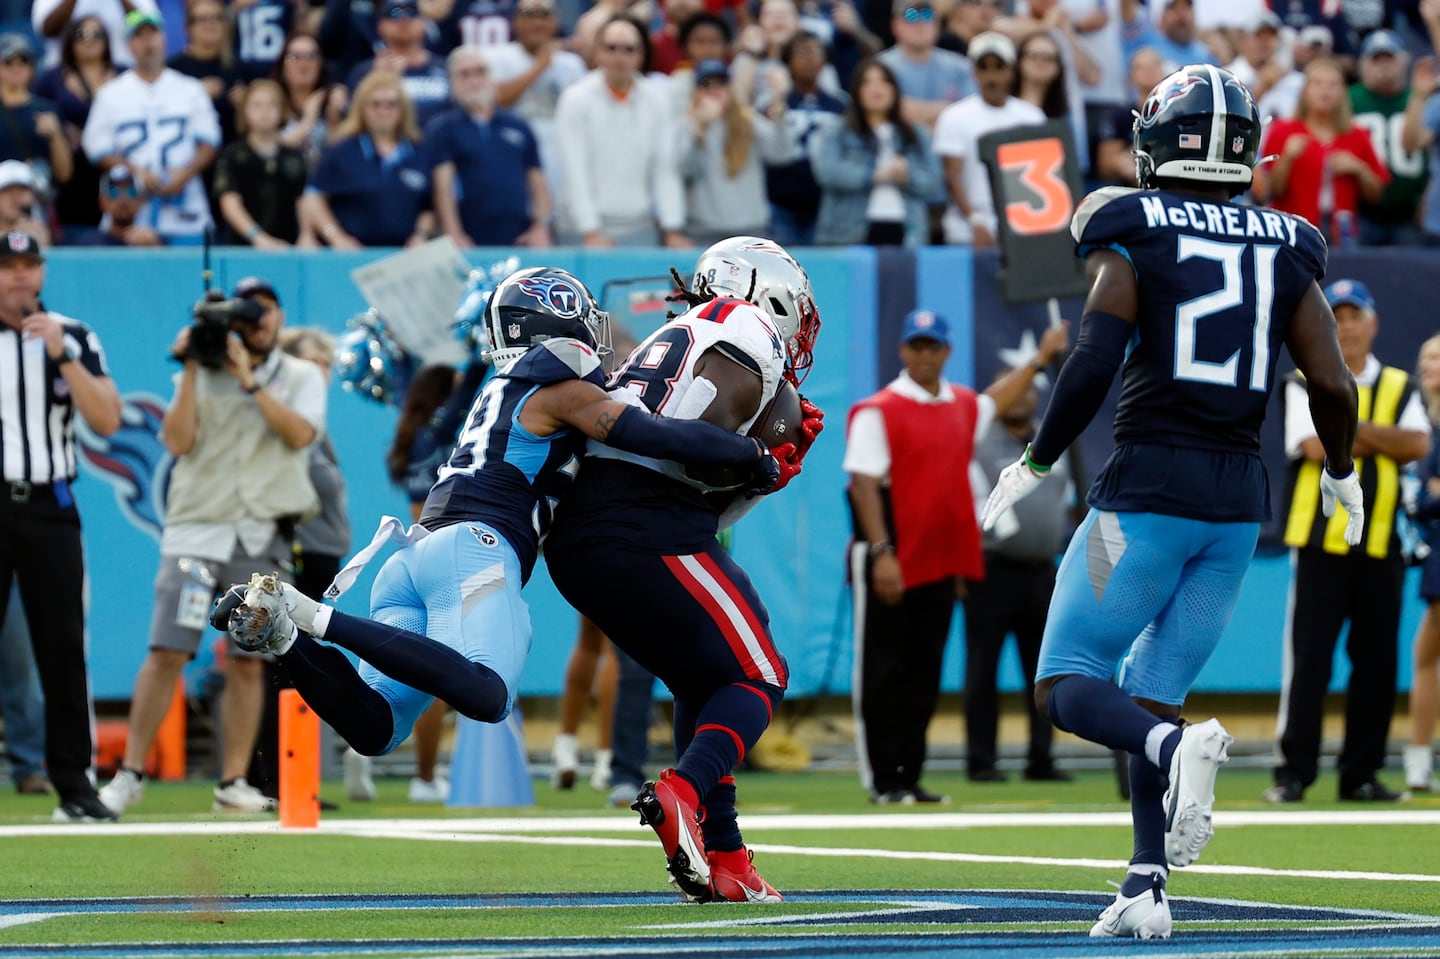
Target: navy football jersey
{"points": [[260, 32], [500, 473], [479, 23], [1218, 285]]}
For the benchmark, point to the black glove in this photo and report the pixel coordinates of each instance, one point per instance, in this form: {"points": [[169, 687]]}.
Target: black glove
{"points": [[764, 475]]}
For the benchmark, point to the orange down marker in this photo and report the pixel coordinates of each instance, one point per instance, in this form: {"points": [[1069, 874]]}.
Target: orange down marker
{"points": [[299, 763]]}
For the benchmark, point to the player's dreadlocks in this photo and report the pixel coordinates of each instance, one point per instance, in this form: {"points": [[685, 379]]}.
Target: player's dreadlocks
{"points": [[701, 294]]}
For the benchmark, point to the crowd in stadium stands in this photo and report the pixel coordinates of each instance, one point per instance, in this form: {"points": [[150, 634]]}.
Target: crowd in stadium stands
{"points": [[355, 123]]}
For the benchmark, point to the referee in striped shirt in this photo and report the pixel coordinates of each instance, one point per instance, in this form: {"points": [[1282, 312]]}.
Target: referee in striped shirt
{"points": [[50, 367]]}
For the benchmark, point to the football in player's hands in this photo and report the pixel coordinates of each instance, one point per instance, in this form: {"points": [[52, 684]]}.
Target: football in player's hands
{"points": [[779, 422]]}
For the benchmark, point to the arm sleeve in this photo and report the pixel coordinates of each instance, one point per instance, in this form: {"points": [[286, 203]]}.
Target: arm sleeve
{"points": [[1083, 382], [691, 442]]}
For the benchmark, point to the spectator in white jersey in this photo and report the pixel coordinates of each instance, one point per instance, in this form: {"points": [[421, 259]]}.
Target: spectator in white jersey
{"points": [[162, 125]]}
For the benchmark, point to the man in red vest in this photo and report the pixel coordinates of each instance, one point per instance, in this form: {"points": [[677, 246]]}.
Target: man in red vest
{"points": [[908, 451]]}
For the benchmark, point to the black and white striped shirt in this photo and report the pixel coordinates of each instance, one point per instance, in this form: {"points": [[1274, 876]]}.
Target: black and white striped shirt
{"points": [[37, 432]]}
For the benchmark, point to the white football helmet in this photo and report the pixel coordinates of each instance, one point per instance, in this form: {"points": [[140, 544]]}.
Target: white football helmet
{"points": [[759, 271]]}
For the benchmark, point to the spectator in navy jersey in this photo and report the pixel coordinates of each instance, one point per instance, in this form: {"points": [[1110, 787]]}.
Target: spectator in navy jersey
{"points": [[403, 53], [31, 129]]}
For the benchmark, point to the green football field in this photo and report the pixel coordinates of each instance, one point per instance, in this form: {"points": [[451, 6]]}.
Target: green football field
{"points": [[1005, 869]]}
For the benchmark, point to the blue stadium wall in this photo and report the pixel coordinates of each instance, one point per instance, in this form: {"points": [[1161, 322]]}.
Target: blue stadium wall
{"points": [[793, 545]]}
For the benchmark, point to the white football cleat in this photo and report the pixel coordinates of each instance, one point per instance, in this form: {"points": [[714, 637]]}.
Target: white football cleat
{"points": [[240, 796], [122, 792], [1190, 796], [1420, 769], [435, 790], [359, 784], [1146, 916], [566, 755]]}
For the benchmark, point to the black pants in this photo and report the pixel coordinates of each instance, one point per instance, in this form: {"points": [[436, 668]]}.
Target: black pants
{"points": [[1013, 597], [899, 651], [40, 543], [1328, 590]]}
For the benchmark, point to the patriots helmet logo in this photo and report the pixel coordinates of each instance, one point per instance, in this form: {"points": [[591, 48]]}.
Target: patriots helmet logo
{"points": [[1163, 96], [558, 296]]}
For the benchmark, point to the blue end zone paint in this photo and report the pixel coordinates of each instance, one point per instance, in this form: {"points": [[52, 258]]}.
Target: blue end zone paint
{"points": [[1326, 930]]}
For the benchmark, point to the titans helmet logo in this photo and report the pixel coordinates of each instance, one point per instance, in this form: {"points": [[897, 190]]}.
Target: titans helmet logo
{"points": [[558, 296], [132, 460], [1166, 94]]}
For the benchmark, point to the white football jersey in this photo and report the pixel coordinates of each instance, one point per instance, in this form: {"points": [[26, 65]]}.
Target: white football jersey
{"points": [[659, 374], [156, 127]]}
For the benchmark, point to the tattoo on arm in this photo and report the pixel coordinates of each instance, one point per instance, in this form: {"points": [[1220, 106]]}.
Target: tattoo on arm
{"points": [[603, 425]]}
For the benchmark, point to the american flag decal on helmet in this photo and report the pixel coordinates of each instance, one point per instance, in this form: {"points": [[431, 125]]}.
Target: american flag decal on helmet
{"points": [[1191, 141]]}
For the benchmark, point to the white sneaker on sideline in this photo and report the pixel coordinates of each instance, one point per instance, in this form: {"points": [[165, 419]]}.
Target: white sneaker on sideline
{"points": [[1146, 916], [565, 754], [435, 790], [600, 776], [122, 792], [240, 796], [359, 785], [1420, 769], [1190, 797]]}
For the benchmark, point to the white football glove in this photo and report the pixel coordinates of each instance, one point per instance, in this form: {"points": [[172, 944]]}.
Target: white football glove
{"points": [[1347, 490], [1017, 481]]}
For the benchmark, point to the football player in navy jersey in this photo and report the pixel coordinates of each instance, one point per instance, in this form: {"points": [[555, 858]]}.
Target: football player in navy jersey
{"points": [[673, 599], [1195, 296], [448, 618]]}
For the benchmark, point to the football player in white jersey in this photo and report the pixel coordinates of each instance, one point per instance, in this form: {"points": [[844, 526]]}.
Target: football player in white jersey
{"points": [[671, 597], [163, 126]]}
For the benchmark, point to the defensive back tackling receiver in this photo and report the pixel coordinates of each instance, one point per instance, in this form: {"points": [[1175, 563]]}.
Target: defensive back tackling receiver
{"points": [[448, 618], [1195, 296], [671, 597]]}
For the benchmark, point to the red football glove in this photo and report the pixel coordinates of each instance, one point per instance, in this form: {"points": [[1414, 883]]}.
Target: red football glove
{"points": [[810, 426], [789, 459]]}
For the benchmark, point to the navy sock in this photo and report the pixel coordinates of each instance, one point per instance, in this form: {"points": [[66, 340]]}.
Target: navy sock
{"points": [[1167, 750], [474, 690], [1137, 882], [1147, 811], [722, 833], [332, 687], [1100, 711], [732, 721]]}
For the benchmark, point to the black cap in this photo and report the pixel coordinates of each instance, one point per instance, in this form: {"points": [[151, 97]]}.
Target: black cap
{"points": [[20, 243], [253, 286]]}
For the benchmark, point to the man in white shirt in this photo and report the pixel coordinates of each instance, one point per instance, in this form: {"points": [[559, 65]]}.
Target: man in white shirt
{"points": [[1264, 67], [162, 125], [531, 72], [620, 183], [970, 217]]}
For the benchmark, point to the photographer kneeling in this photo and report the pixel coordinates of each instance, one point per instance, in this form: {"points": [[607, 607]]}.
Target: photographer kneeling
{"points": [[243, 413]]}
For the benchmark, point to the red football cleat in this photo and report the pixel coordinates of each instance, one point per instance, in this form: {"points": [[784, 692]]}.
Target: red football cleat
{"points": [[739, 883], [667, 808]]}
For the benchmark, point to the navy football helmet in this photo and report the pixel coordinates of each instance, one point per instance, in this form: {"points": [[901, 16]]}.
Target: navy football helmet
{"points": [[542, 303], [1199, 124]]}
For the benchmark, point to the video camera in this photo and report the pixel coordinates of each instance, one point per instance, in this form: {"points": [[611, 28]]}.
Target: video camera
{"points": [[215, 316]]}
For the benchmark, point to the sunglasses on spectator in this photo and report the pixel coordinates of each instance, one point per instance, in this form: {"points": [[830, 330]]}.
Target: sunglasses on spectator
{"points": [[997, 4], [296, 55], [1041, 57], [90, 33], [388, 103], [128, 190], [401, 13], [919, 14], [620, 48], [533, 11], [13, 59]]}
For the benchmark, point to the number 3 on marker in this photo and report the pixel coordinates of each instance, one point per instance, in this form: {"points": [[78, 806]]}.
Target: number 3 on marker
{"points": [[1041, 166]]}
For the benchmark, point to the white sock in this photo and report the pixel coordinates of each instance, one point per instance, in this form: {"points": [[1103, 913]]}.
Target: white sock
{"points": [[1155, 739], [322, 621], [302, 608]]}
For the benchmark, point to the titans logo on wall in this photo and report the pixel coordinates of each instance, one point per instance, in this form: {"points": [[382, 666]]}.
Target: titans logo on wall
{"points": [[559, 297], [132, 460]]}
